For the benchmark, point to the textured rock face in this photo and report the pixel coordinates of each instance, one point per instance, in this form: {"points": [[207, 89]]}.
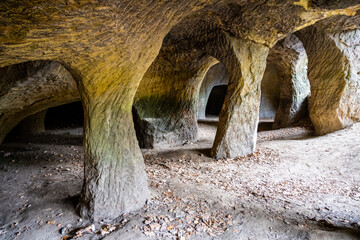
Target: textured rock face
{"points": [[290, 61], [109, 45], [269, 93], [217, 75], [236, 134], [33, 124], [166, 99], [28, 88], [334, 66]]}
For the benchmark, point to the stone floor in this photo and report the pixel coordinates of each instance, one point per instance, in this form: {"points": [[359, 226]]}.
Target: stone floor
{"points": [[295, 186]]}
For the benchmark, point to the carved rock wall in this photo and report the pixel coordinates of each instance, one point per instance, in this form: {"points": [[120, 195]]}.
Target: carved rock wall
{"points": [[334, 67], [290, 60], [34, 124], [165, 103], [32, 87], [108, 46]]}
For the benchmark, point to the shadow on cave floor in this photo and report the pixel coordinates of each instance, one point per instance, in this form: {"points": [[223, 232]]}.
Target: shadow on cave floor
{"points": [[286, 190], [307, 182], [71, 136], [41, 181], [207, 130]]}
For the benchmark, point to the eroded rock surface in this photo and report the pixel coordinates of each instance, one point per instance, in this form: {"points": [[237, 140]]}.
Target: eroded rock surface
{"points": [[28, 88], [109, 45], [334, 66], [290, 60]]}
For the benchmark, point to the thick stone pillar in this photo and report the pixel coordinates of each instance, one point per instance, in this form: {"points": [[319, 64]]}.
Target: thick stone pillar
{"points": [[217, 75], [236, 134], [334, 66], [166, 101], [30, 87], [115, 181], [33, 124], [290, 60]]}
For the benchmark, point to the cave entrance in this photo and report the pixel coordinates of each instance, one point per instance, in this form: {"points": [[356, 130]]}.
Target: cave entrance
{"points": [[216, 100], [57, 125], [69, 115]]}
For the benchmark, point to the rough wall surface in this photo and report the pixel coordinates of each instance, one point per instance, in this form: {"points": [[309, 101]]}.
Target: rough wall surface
{"points": [[290, 60], [334, 66], [33, 124], [236, 133], [108, 45], [28, 88], [165, 102], [270, 94]]}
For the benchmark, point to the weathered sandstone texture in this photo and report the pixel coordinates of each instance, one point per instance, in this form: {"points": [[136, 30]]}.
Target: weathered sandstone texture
{"points": [[33, 124], [109, 45], [270, 93], [236, 133], [334, 73], [218, 75], [31, 87], [165, 103], [289, 58]]}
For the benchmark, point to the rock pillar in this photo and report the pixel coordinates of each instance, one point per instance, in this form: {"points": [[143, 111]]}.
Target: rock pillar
{"points": [[237, 130]]}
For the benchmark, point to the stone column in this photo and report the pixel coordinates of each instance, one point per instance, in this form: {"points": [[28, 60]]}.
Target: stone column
{"points": [[237, 130], [115, 181], [334, 66], [290, 60]]}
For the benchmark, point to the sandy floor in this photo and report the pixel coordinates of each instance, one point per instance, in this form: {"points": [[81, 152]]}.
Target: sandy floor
{"points": [[295, 186]]}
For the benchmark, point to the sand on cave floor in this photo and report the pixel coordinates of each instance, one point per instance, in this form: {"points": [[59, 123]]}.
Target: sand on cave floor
{"points": [[295, 186]]}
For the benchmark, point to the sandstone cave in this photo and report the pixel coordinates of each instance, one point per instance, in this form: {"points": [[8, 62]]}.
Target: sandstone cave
{"points": [[211, 119]]}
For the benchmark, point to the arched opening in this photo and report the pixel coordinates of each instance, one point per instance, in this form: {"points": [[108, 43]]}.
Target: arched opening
{"points": [[215, 101], [69, 115], [267, 190], [214, 87], [28, 90]]}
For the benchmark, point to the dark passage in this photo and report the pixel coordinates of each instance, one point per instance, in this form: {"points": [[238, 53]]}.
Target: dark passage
{"points": [[65, 116], [216, 100]]}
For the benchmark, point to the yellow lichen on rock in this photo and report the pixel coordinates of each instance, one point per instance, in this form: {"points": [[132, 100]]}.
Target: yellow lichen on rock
{"points": [[304, 3]]}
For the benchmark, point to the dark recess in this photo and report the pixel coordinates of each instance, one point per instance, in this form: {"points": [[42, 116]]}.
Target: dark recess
{"points": [[216, 100], [65, 116]]}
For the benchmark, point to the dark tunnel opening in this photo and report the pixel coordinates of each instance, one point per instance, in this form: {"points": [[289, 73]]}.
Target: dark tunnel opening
{"points": [[216, 100], [69, 115]]}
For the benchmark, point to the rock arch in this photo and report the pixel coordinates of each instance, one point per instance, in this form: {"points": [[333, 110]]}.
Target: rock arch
{"points": [[109, 45], [334, 77], [32, 87], [217, 75], [290, 61], [239, 116]]}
